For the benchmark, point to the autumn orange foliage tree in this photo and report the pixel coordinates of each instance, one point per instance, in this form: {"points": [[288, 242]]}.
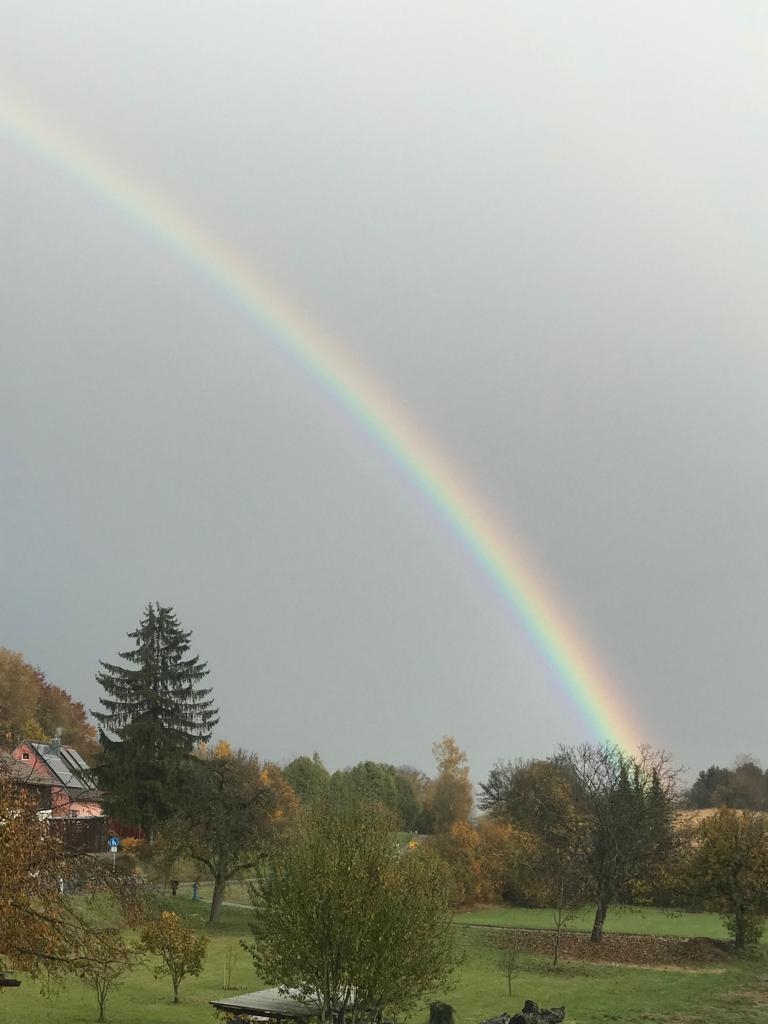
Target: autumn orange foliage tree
{"points": [[32, 708], [31, 862], [487, 860], [42, 928]]}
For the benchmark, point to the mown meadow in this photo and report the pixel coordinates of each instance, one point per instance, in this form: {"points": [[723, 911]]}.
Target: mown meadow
{"points": [[733, 989]]}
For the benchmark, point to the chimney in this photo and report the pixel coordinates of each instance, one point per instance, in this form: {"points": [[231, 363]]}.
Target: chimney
{"points": [[56, 741]]}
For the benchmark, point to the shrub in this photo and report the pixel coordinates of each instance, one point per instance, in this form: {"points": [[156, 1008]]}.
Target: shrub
{"points": [[180, 950]]}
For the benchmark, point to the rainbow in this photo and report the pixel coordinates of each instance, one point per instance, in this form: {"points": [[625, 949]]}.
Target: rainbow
{"points": [[595, 698]]}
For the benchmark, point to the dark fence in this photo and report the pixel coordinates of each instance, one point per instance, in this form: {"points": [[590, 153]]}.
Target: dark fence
{"points": [[85, 835]]}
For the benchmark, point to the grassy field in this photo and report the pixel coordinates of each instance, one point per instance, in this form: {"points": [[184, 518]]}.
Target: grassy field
{"points": [[595, 994], [592, 994], [648, 921], [142, 999]]}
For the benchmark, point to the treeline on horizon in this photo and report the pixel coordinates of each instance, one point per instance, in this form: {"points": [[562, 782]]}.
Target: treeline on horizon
{"points": [[589, 824], [34, 709]]}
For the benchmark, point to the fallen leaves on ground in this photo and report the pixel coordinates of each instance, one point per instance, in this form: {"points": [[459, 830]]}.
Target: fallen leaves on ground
{"points": [[656, 950]]}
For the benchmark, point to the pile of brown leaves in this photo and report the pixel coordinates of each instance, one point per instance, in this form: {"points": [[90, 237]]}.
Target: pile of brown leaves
{"points": [[656, 950]]}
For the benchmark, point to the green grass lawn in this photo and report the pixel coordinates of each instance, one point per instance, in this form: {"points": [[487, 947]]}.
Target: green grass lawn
{"points": [[648, 921], [237, 892], [592, 994], [599, 994], [141, 998]]}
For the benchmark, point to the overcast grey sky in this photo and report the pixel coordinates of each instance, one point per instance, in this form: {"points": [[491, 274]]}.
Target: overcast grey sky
{"points": [[540, 226]]}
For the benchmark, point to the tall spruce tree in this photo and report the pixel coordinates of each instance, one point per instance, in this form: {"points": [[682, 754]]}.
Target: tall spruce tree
{"points": [[156, 712]]}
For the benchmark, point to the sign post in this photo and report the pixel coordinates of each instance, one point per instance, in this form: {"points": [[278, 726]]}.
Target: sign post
{"points": [[113, 842]]}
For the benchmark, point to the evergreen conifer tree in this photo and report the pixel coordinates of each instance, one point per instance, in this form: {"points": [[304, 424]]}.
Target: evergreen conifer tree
{"points": [[157, 711]]}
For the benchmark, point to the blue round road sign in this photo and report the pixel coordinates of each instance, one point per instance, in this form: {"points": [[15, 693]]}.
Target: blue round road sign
{"points": [[113, 842]]}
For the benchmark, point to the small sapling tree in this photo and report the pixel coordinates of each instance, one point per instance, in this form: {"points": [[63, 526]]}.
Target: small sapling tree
{"points": [[505, 943], [105, 958], [181, 952]]}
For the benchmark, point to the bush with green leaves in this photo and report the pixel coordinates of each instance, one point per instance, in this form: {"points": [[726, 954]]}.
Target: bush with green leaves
{"points": [[348, 920], [726, 870]]}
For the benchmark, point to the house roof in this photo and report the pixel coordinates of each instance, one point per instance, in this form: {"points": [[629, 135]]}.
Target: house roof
{"points": [[66, 769], [85, 796], [69, 768], [268, 1002], [21, 772]]}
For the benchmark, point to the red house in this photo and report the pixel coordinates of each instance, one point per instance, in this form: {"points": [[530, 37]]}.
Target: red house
{"points": [[72, 791], [28, 778]]}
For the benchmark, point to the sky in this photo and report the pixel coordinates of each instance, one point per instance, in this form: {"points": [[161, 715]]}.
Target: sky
{"points": [[537, 229]]}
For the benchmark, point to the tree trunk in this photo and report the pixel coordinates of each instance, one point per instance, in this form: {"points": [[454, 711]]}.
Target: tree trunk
{"points": [[600, 915], [559, 922], [739, 937], [101, 996], [219, 885]]}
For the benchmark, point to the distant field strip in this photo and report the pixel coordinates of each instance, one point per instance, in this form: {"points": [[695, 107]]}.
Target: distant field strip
{"points": [[648, 921]]}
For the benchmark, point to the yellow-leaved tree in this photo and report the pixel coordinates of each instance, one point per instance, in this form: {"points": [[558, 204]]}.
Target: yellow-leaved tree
{"points": [[181, 951], [450, 793], [47, 892]]}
